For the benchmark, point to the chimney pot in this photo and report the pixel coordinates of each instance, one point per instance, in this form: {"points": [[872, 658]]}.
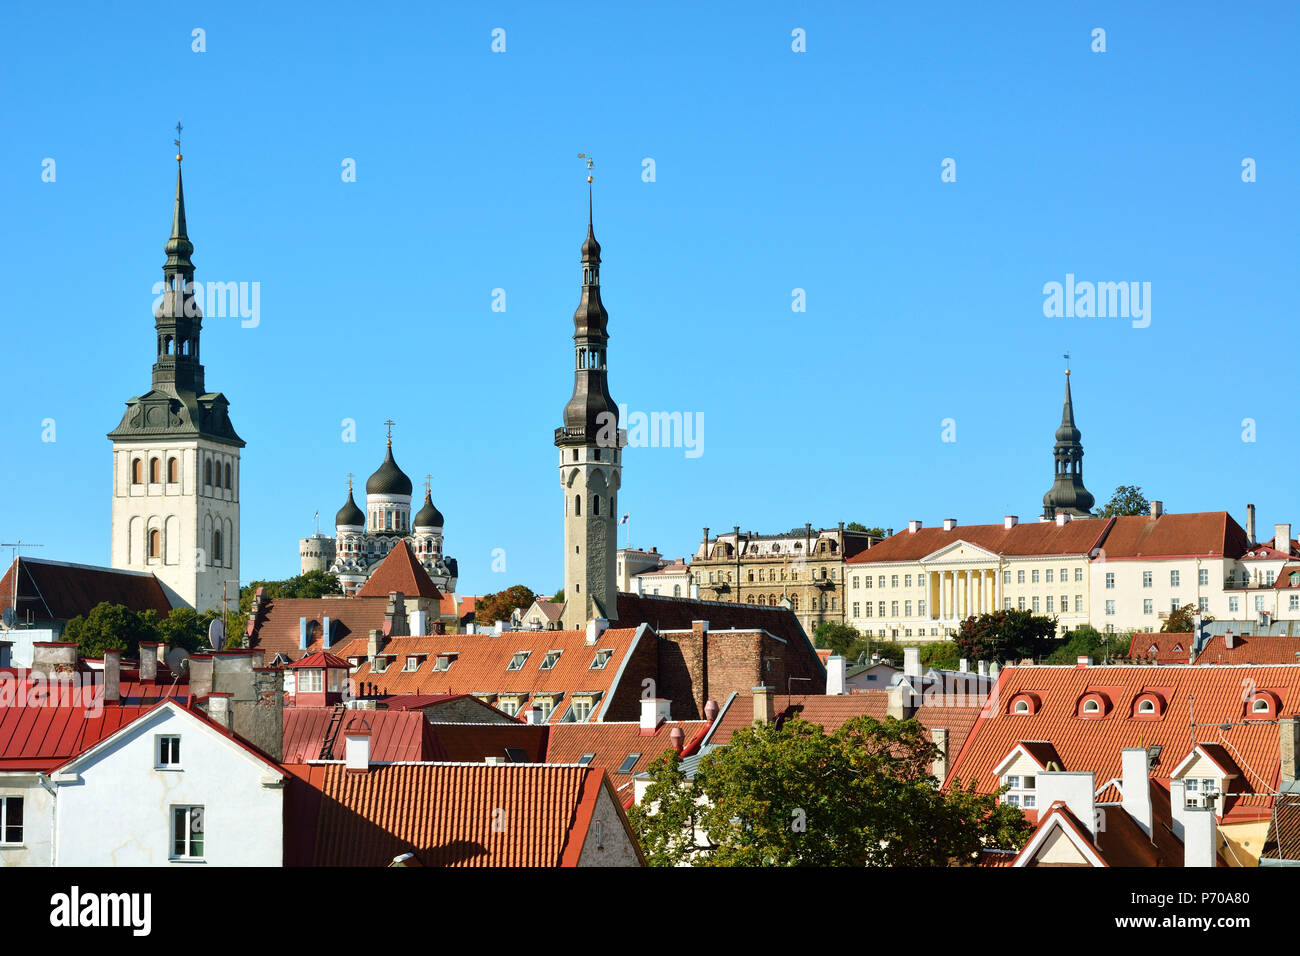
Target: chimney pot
{"points": [[949, 524], [710, 710], [913, 526], [677, 737], [1010, 521], [1157, 509], [113, 675], [764, 705]]}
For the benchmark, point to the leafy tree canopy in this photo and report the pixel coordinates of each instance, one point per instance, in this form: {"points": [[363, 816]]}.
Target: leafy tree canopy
{"points": [[1006, 636], [110, 626], [796, 796], [859, 526], [1183, 620], [1127, 500], [491, 608]]}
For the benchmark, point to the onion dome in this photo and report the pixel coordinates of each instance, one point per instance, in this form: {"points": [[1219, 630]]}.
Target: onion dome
{"points": [[428, 516], [389, 479], [349, 515]]}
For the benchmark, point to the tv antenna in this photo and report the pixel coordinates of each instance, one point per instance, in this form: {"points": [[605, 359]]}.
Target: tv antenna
{"points": [[11, 619]]}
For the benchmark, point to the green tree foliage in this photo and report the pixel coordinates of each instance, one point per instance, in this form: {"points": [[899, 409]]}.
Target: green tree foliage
{"points": [[1086, 641], [313, 584], [109, 626], [1127, 500], [797, 796], [1183, 620], [859, 526], [843, 639], [498, 606], [1006, 636], [558, 597], [185, 627], [942, 655]]}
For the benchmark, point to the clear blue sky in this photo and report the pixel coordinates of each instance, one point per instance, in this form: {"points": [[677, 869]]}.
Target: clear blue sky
{"points": [[775, 170]]}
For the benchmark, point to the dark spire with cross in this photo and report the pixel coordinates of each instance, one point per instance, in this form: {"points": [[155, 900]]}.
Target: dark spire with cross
{"points": [[1067, 494]]}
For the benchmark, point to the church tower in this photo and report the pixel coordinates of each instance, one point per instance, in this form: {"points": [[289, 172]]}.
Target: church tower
{"points": [[590, 444], [1067, 494], [175, 454]]}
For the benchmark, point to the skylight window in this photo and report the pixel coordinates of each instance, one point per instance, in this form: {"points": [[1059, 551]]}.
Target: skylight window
{"points": [[602, 658], [627, 765], [516, 755], [549, 661], [517, 661], [585, 759]]}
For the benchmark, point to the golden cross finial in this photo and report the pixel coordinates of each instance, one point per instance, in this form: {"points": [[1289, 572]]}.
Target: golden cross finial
{"points": [[428, 484], [177, 140], [1067, 362], [390, 423], [349, 482]]}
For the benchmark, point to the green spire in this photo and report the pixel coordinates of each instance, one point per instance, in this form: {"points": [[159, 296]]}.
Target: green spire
{"points": [[179, 248]]}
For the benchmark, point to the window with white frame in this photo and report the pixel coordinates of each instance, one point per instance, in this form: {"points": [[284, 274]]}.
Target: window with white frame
{"points": [[1078, 575], [517, 662], [1110, 608], [309, 680], [1020, 604], [1022, 792], [1259, 602], [1033, 576], [1006, 577], [1198, 790], [187, 833], [1048, 579], [412, 663], [1234, 605], [1050, 602], [580, 709], [1294, 603], [602, 658], [1203, 605], [508, 705], [1036, 605], [11, 821], [1146, 579], [443, 662], [546, 705], [1078, 604], [893, 580], [168, 752], [549, 660], [1020, 577], [1203, 577], [1110, 580], [1173, 579]]}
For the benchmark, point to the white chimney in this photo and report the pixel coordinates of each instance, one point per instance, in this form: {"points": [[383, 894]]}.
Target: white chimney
{"points": [[1157, 509], [471, 628], [219, 709], [1200, 837], [1228, 640], [356, 750], [533, 715], [1076, 790], [417, 620], [911, 662], [638, 585], [654, 710], [1061, 519], [982, 668], [1178, 806], [963, 665], [500, 627], [640, 784], [913, 526], [836, 668], [1083, 660], [596, 627], [695, 591], [949, 524], [1136, 786], [1282, 538], [1010, 521]]}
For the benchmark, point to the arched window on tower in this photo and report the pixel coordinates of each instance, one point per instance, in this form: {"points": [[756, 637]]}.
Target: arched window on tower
{"points": [[577, 505], [173, 471], [227, 476], [216, 548], [207, 471], [595, 505], [155, 543], [153, 471], [167, 345], [137, 471]]}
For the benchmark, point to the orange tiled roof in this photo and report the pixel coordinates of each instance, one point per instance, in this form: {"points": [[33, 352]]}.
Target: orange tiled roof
{"points": [[1172, 648], [1213, 695], [1208, 534], [1250, 650], [400, 572], [612, 743], [275, 629], [474, 743], [482, 660], [447, 814]]}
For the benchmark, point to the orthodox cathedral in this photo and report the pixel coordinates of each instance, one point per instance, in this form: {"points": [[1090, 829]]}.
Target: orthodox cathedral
{"points": [[363, 539]]}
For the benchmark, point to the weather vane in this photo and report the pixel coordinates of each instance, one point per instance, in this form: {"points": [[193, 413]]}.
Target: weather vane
{"points": [[590, 163], [177, 140], [1067, 362]]}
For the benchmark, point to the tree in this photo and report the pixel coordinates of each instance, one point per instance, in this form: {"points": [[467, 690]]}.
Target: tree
{"points": [[1086, 641], [1127, 500], [1183, 620], [942, 655], [796, 796], [498, 606], [185, 627], [558, 597], [313, 584], [1006, 636], [110, 626], [843, 639], [859, 526]]}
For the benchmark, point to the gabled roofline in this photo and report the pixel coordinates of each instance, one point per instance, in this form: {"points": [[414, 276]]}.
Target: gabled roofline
{"points": [[1058, 815], [641, 630], [717, 721]]}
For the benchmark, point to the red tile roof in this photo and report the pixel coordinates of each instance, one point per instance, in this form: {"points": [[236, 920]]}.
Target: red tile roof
{"points": [[1211, 533], [42, 738], [321, 659], [446, 814], [1213, 695], [394, 735], [473, 743], [1121, 841], [55, 591], [612, 743], [1172, 648], [276, 626], [481, 664], [400, 572], [1250, 650]]}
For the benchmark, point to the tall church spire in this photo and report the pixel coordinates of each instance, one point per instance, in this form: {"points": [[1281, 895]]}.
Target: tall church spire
{"points": [[1067, 494], [591, 466]]}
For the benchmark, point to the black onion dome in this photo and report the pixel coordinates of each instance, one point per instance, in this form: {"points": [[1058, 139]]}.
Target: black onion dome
{"points": [[389, 479], [428, 516], [349, 514]]}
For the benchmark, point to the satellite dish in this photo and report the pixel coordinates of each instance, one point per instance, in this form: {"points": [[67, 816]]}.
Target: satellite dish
{"points": [[177, 659], [10, 617], [217, 635]]}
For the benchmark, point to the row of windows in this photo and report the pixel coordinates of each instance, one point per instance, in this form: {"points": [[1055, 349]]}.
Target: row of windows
{"points": [[1035, 576], [212, 472], [217, 555], [595, 506]]}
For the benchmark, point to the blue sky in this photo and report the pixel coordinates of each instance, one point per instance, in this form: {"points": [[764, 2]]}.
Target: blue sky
{"points": [[775, 170]]}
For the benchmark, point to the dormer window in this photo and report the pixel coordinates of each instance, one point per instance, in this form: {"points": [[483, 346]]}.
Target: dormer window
{"points": [[550, 660], [1091, 707], [518, 660], [602, 658], [1263, 706], [1260, 706], [444, 662], [1021, 707], [1022, 704], [412, 663], [380, 665], [1146, 707]]}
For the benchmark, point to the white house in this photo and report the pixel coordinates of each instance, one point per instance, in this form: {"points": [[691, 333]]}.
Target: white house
{"points": [[171, 788]]}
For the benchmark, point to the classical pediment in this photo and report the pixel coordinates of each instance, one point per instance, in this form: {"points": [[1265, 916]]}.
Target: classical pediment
{"points": [[959, 552]]}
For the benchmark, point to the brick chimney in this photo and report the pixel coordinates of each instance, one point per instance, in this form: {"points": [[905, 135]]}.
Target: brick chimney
{"points": [[54, 659], [219, 709], [112, 676], [1288, 746], [764, 705]]}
